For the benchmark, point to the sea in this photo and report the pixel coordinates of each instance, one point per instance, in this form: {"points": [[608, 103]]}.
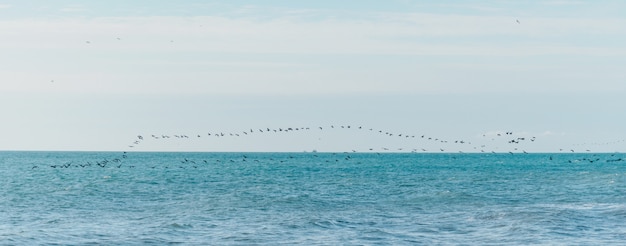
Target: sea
{"points": [[346, 198]]}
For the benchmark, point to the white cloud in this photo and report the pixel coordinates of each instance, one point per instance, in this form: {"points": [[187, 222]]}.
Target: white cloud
{"points": [[154, 52], [563, 2], [393, 34], [5, 6], [72, 9]]}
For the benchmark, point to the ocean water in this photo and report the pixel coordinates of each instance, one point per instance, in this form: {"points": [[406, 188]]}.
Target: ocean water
{"points": [[77, 198]]}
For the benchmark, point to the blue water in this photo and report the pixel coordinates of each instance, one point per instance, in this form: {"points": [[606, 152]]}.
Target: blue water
{"points": [[311, 198]]}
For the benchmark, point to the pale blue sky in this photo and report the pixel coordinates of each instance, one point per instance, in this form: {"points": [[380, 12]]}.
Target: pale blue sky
{"points": [[91, 75]]}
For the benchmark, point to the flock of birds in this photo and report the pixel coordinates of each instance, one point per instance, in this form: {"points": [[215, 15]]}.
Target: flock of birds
{"points": [[509, 136], [444, 144], [506, 137], [200, 161], [487, 144]]}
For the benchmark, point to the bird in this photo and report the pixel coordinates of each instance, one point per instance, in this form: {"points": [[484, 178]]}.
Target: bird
{"points": [[517, 21]]}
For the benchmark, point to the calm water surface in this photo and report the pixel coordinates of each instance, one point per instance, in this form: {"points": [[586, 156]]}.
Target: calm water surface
{"points": [[311, 198]]}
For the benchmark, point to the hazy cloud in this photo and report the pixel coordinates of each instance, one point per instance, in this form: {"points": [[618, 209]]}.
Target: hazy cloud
{"points": [[197, 52], [73, 8], [563, 2]]}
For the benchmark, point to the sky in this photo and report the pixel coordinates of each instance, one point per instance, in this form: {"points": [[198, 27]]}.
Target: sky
{"points": [[94, 75]]}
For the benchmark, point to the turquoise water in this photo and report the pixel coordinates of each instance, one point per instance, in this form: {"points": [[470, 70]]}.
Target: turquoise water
{"points": [[311, 198]]}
